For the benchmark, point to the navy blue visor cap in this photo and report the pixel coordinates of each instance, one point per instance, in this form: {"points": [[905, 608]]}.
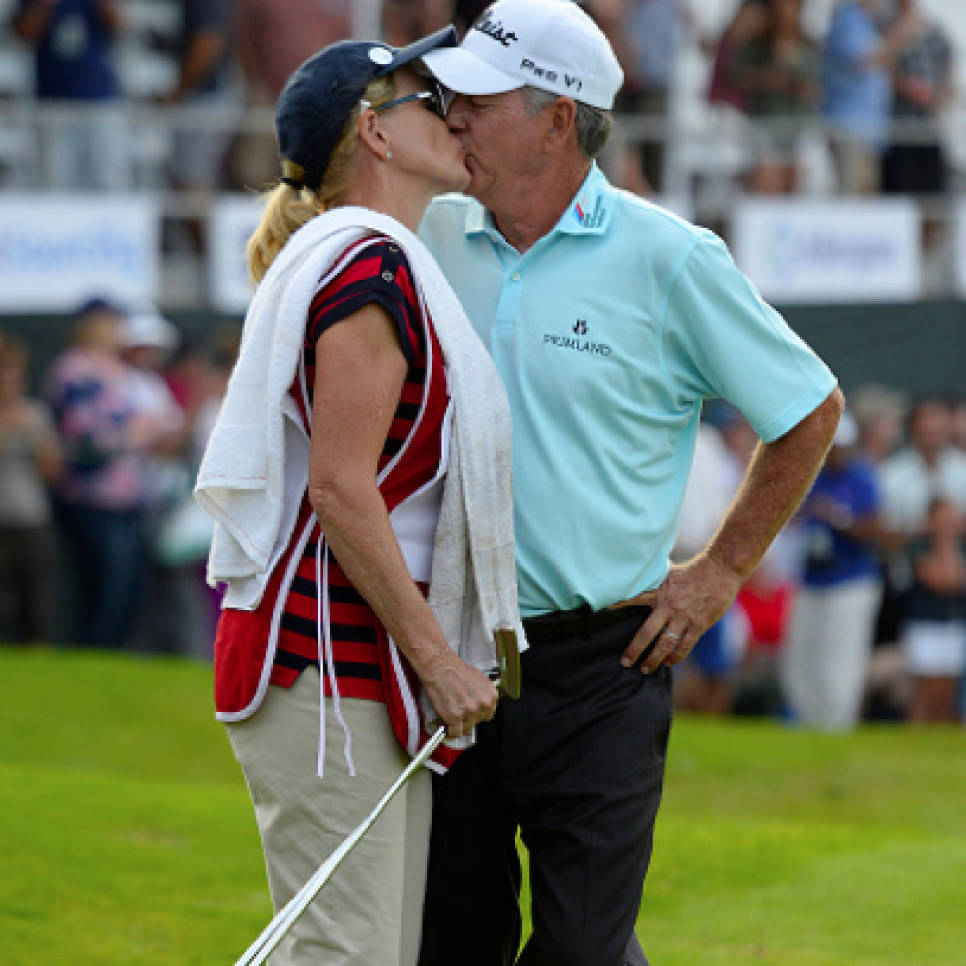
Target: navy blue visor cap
{"points": [[319, 96]]}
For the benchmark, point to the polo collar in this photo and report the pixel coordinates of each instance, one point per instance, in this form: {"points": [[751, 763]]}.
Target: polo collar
{"points": [[589, 211], [587, 214]]}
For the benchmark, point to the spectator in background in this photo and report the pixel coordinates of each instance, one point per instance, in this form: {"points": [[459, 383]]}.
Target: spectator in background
{"points": [[275, 36], [29, 461], [147, 341], [857, 95], [73, 42], [98, 498], [914, 162], [205, 56], [934, 630], [922, 74], [879, 412], [272, 38], [765, 600], [404, 21], [826, 657], [173, 619], [223, 343], [703, 681], [730, 134], [646, 36], [750, 22], [929, 466], [777, 73], [959, 424]]}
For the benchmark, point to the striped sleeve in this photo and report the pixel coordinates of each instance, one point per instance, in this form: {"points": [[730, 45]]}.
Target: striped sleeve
{"points": [[378, 274]]}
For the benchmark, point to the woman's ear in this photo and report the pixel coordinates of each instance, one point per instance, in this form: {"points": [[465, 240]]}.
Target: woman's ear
{"points": [[370, 134]]}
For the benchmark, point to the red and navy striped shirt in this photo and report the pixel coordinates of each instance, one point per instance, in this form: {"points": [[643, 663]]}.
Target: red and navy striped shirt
{"points": [[380, 274]]}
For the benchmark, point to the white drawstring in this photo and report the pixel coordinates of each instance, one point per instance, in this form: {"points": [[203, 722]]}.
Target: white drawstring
{"points": [[323, 632], [327, 659]]}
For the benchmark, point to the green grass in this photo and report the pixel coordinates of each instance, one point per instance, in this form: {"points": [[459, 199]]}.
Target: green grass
{"points": [[126, 835]]}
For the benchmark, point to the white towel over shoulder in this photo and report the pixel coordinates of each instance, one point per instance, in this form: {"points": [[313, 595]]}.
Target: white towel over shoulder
{"points": [[255, 467]]}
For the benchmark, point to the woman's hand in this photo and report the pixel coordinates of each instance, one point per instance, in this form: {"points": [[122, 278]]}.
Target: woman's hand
{"points": [[462, 695]]}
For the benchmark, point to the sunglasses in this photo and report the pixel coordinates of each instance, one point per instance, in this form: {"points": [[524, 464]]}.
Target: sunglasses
{"points": [[436, 100]]}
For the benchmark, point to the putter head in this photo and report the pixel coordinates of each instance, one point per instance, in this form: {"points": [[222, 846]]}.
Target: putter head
{"points": [[508, 654]]}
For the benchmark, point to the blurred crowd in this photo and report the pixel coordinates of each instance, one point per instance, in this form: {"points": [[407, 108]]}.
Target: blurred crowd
{"points": [[878, 79], [858, 610], [101, 543]]}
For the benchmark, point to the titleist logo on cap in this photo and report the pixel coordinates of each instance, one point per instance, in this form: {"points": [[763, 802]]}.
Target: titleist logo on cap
{"points": [[495, 29]]}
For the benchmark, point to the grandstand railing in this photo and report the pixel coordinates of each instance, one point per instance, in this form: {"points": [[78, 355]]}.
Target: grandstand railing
{"points": [[713, 149]]}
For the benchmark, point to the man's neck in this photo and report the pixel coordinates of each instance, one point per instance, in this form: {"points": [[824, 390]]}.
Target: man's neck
{"points": [[537, 205]]}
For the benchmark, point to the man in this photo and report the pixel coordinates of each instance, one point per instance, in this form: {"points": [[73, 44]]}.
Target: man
{"points": [[73, 43], [858, 94], [610, 321], [829, 643]]}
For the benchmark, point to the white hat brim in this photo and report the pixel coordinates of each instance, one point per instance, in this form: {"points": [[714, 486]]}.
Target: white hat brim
{"points": [[462, 71]]}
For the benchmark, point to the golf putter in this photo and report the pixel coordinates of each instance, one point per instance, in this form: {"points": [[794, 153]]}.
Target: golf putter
{"points": [[508, 656]]}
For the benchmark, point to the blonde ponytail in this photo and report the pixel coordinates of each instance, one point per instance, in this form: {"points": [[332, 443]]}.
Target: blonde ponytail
{"points": [[287, 208]]}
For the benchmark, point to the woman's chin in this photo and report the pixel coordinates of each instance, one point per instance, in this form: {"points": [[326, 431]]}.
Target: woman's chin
{"points": [[463, 177], [457, 180]]}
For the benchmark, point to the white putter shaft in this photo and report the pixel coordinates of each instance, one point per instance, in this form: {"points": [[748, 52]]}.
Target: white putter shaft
{"points": [[273, 933]]}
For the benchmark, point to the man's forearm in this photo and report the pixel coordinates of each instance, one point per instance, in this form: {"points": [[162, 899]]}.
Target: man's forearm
{"points": [[776, 481]]}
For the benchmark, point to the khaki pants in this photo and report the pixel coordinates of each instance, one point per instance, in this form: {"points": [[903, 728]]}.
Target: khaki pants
{"points": [[826, 655], [370, 912]]}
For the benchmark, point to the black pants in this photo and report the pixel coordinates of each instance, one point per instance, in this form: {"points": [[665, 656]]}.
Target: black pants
{"points": [[578, 764]]}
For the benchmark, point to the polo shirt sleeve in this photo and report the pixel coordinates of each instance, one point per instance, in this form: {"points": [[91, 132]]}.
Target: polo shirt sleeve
{"points": [[722, 340]]}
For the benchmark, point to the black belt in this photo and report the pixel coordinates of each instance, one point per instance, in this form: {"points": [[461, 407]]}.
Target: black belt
{"points": [[579, 622]]}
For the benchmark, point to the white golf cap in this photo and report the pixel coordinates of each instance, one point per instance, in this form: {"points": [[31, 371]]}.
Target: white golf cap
{"points": [[148, 328], [549, 44], [847, 432]]}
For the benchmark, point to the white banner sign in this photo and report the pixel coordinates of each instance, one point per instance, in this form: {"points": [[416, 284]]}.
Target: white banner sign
{"points": [[57, 250], [233, 219], [830, 251]]}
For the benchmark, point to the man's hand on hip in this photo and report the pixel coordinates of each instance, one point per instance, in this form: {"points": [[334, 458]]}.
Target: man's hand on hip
{"points": [[693, 596]]}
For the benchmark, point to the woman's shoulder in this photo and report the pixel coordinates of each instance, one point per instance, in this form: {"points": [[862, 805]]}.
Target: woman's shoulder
{"points": [[372, 270], [378, 258]]}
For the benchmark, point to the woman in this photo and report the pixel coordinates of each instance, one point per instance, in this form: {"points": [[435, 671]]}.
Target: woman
{"points": [[933, 634], [325, 472], [30, 460], [777, 74], [99, 496]]}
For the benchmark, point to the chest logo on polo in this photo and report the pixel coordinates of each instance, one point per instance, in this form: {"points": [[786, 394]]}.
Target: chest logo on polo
{"points": [[580, 328]]}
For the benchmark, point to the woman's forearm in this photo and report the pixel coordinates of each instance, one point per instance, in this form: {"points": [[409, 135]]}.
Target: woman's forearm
{"points": [[356, 525]]}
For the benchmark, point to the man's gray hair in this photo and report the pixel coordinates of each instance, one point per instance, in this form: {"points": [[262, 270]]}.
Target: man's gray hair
{"points": [[593, 124]]}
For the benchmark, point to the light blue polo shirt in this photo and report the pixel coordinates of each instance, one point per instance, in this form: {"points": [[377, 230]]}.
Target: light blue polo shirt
{"points": [[609, 333]]}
